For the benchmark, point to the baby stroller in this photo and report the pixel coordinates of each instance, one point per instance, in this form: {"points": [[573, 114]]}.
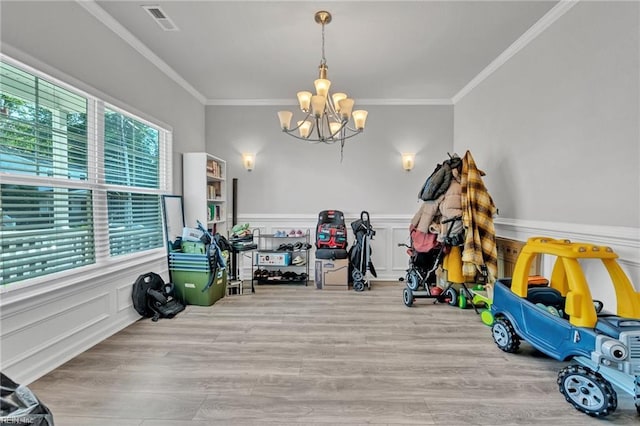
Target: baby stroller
{"points": [[421, 275], [360, 252]]}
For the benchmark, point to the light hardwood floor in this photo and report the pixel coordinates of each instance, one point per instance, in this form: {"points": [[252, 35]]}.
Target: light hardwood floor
{"points": [[290, 355]]}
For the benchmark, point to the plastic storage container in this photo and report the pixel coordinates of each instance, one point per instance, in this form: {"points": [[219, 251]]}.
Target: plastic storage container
{"points": [[190, 273]]}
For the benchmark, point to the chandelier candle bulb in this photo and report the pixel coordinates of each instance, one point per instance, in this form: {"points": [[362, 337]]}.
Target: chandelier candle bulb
{"points": [[346, 106], [305, 128], [317, 105], [337, 97], [322, 87], [360, 117], [285, 119], [335, 127], [304, 99]]}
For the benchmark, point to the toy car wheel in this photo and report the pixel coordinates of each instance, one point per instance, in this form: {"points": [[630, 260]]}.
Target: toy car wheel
{"points": [[407, 297], [450, 296], [505, 336], [358, 285], [413, 280], [587, 391]]}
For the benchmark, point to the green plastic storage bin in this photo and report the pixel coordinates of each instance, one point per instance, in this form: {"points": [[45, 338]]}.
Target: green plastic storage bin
{"points": [[189, 286], [193, 247]]}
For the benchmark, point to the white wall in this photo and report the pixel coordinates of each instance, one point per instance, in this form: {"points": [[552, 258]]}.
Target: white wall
{"points": [[556, 128], [294, 177], [47, 324], [293, 181]]}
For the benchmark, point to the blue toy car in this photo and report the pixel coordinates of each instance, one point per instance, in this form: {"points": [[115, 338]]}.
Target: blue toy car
{"points": [[564, 322]]}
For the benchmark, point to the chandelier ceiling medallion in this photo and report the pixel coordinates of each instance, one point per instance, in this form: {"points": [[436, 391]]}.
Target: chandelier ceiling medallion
{"points": [[328, 115]]}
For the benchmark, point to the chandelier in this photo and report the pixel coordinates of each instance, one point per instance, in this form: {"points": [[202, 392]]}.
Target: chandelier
{"points": [[328, 115]]}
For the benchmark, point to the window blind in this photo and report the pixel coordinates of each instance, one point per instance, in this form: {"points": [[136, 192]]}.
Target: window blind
{"points": [[135, 222], [43, 127], [59, 175], [48, 230]]}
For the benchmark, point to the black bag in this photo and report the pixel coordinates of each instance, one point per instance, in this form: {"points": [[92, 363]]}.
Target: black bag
{"points": [[222, 242], [153, 298], [333, 254], [331, 231], [440, 179], [19, 405]]}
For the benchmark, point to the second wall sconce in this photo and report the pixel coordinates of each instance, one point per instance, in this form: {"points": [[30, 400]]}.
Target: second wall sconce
{"points": [[249, 161], [408, 160]]}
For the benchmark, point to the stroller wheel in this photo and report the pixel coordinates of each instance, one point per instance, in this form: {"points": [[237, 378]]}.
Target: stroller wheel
{"points": [[413, 279], [450, 296], [358, 285], [356, 275], [407, 297]]}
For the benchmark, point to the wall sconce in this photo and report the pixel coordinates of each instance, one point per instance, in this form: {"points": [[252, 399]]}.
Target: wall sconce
{"points": [[249, 161], [408, 160]]}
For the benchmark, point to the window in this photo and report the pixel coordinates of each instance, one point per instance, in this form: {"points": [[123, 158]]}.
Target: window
{"points": [[58, 176], [131, 151]]}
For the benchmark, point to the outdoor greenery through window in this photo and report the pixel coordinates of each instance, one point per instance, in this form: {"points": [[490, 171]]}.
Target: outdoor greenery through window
{"points": [[68, 194]]}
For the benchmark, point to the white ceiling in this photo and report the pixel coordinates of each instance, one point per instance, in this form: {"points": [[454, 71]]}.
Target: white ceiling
{"points": [[411, 52]]}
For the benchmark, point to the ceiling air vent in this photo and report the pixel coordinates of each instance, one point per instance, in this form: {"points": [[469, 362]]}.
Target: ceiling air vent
{"points": [[161, 18]]}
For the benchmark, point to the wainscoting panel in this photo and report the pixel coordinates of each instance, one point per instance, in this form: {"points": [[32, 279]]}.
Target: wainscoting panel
{"points": [[380, 244], [58, 323], [389, 260], [46, 325], [400, 258]]}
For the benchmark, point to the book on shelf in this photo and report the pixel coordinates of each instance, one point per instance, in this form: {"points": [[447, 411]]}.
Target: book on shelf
{"points": [[214, 169], [214, 212], [214, 191]]}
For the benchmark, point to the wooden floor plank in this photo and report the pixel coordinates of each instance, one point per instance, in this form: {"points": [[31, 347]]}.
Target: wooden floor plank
{"points": [[300, 356]]}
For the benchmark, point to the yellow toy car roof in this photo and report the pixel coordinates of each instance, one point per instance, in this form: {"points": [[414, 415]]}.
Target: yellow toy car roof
{"points": [[569, 279]]}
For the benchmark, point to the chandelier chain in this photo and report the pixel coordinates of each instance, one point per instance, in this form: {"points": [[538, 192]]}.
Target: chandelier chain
{"points": [[324, 60]]}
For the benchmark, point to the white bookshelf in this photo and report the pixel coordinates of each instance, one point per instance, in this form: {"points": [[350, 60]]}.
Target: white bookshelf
{"points": [[204, 188]]}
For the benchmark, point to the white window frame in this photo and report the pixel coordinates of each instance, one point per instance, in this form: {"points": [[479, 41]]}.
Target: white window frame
{"points": [[104, 262]]}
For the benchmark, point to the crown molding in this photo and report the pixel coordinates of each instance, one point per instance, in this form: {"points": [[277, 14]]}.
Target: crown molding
{"points": [[250, 102], [536, 29], [549, 18], [101, 15], [292, 102]]}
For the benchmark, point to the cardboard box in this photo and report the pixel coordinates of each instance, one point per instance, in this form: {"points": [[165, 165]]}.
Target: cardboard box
{"points": [[273, 258], [332, 274]]}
